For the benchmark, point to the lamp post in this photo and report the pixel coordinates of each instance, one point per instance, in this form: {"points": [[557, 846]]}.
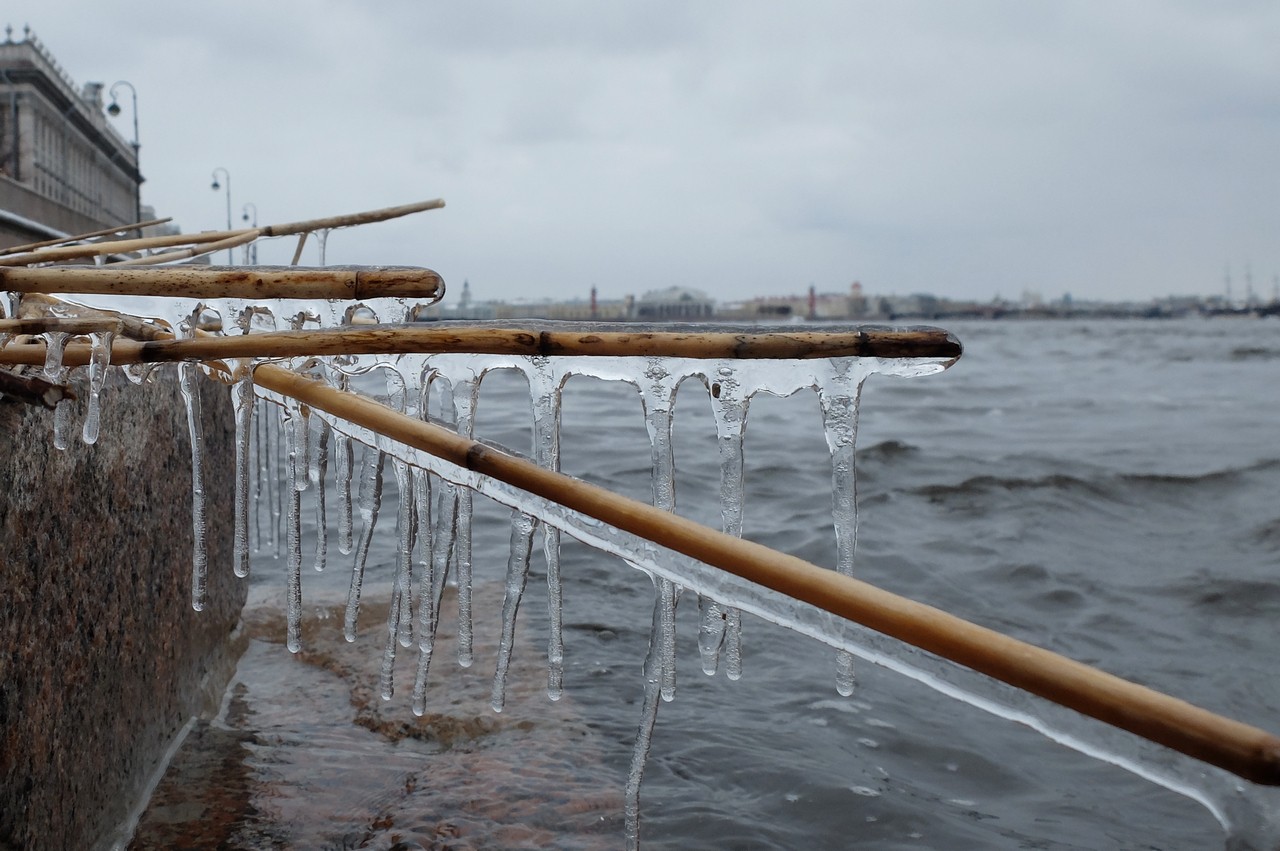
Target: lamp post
{"points": [[113, 110], [226, 176], [251, 249]]}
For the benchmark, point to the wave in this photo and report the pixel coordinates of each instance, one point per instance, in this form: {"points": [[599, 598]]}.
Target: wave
{"points": [[1109, 485]]}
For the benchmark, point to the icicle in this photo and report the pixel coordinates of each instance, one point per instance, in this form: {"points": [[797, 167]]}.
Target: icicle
{"points": [[720, 626], [259, 449], [653, 675], [342, 476], [405, 535], [370, 504], [316, 471], [99, 360], [545, 386], [55, 343], [522, 529], [838, 396], [658, 393], [301, 460], [188, 375], [432, 587], [464, 401], [242, 400], [289, 417]]}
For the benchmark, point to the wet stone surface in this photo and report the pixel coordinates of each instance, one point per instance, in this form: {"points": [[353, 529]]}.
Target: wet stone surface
{"points": [[306, 753], [102, 659]]}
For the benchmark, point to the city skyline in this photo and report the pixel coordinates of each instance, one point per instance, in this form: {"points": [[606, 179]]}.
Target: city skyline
{"points": [[1120, 152]]}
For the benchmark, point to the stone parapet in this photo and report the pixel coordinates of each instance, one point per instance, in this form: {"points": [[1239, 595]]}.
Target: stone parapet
{"points": [[102, 659]]}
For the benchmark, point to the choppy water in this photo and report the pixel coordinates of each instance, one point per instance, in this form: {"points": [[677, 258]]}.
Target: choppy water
{"points": [[1104, 489]]}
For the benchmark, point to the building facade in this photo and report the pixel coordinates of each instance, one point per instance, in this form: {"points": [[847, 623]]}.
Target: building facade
{"points": [[63, 168]]}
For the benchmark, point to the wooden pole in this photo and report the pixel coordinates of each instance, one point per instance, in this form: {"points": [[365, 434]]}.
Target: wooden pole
{"points": [[399, 339], [237, 239], [1246, 751], [33, 390], [259, 282], [67, 325], [32, 246], [119, 246], [351, 219]]}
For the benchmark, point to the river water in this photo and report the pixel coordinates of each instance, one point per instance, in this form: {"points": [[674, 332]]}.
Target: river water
{"points": [[1105, 489]]}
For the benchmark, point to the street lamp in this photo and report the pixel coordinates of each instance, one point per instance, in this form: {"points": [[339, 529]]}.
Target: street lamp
{"points": [[251, 249], [113, 110], [226, 176]]}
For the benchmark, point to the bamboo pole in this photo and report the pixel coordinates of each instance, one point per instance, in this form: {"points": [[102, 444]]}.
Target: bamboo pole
{"points": [[867, 341], [67, 325], [32, 246], [246, 282], [119, 246], [237, 238], [1246, 751], [351, 219], [33, 390]]}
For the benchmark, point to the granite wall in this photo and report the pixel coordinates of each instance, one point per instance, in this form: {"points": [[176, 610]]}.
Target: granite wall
{"points": [[102, 659]]}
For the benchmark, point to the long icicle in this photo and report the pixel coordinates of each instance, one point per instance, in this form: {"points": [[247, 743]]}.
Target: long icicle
{"points": [[291, 425], [370, 504], [242, 402], [99, 361], [838, 395], [659, 395], [316, 472], [188, 376], [722, 625], [653, 674], [464, 399], [55, 343], [545, 385], [432, 585], [522, 528]]}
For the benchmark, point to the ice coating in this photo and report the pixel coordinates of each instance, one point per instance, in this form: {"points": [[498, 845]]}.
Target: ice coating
{"points": [[99, 361]]}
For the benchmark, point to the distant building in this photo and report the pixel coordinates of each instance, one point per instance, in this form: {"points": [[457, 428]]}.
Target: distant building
{"points": [[674, 303], [63, 168]]}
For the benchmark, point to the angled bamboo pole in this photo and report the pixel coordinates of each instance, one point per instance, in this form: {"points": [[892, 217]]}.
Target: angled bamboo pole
{"points": [[247, 282], [1246, 751], [32, 246], [233, 241], [66, 325], [119, 246], [33, 390], [867, 341], [352, 219]]}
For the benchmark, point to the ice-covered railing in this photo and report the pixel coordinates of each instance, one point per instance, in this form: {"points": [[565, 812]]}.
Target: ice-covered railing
{"points": [[438, 467]]}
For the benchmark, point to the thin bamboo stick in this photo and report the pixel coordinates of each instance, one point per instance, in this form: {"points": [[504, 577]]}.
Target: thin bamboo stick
{"points": [[867, 341], [1246, 751], [247, 282], [351, 219], [119, 246], [237, 239], [33, 390], [32, 246], [68, 325]]}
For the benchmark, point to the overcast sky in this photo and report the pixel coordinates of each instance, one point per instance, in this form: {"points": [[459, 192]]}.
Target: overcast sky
{"points": [[969, 149]]}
